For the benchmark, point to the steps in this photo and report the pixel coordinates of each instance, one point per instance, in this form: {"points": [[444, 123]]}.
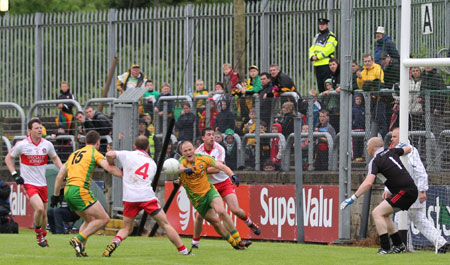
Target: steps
{"points": [[112, 227]]}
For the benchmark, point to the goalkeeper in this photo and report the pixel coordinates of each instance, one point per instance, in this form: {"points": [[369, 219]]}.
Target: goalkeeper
{"points": [[399, 182], [416, 212]]}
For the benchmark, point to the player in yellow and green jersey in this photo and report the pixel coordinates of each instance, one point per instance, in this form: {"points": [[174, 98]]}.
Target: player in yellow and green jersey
{"points": [[203, 194], [79, 169]]}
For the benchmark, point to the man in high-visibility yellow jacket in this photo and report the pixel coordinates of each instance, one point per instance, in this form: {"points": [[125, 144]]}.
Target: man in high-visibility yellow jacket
{"points": [[320, 52]]}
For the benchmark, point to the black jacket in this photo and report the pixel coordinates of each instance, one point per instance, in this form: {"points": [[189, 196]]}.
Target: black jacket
{"points": [[185, 126], [67, 107], [287, 124], [283, 82], [392, 73], [231, 155], [101, 123], [432, 80], [225, 119]]}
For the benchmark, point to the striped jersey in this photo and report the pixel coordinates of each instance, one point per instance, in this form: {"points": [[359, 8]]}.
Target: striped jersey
{"points": [[196, 184], [81, 165], [218, 153], [33, 159], [139, 169]]}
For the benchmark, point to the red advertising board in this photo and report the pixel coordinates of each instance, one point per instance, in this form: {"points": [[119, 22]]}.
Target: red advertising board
{"points": [[21, 208], [273, 207]]}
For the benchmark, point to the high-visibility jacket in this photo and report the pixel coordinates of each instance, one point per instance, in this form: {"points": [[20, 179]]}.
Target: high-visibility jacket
{"points": [[324, 46]]}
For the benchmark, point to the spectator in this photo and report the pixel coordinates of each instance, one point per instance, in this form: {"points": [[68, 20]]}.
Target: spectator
{"points": [[317, 107], [231, 149], [142, 128], [57, 217], [254, 81], [355, 68], [65, 115], [185, 123], [276, 151], [416, 100], [371, 71], [219, 93], [372, 79], [266, 96], [264, 143], [305, 141], [212, 116], [329, 101], [322, 148], [200, 90], [250, 127], [63, 147], [335, 70], [165, 92], [280, 80], [102, 124], [230, 78], [84, 124], [391, 69], [148, 119], [384, 44], [358, 125], [150, 97], [225, 119], [320, 52], [132, 78], [218, 138], [432, 80], [287, 118]]}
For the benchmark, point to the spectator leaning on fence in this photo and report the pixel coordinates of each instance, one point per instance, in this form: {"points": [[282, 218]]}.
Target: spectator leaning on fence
{"points": [[102, 124], [230, 78], [320, 52], [225, 119], [165, 92], [371, 71], [266, 97], [65, 115], [131, 78], [84, 124], [281, 82], [150, 97], [384, 44], [185, 123], [254, 81]]}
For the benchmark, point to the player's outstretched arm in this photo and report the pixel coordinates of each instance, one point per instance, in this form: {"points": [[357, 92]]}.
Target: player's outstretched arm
{"points": [[365, 186], [110, 156], [57, 161], [111, 169], [9, 161], [59, 180]]}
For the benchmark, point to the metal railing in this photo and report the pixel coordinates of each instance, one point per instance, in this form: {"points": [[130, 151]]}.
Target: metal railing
{"points": [[241, 153], [49, 102], [21, 113]]}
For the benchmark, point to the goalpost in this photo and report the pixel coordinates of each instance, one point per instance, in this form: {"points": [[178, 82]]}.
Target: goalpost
{"points": [[440, 192]]}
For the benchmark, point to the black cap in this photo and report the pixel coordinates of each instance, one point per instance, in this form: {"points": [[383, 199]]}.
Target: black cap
{"points": [[323, 21], [383, 55]]}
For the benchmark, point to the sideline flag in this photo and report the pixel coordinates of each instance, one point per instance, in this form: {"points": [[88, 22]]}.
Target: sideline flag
{"points": [[444, 215]]}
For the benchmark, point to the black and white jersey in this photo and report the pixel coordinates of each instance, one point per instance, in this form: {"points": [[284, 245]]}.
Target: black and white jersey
{"points": [[387, 163]]}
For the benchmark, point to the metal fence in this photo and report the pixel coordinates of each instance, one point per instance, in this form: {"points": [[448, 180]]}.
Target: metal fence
{"points": [[180, 44]]}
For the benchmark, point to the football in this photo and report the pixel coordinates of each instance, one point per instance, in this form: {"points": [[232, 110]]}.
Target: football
{"points": [[171, 166]]}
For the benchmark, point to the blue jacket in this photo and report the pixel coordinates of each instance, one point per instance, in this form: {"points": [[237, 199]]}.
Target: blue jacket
{"points": [[385, 45], [358, 116]]}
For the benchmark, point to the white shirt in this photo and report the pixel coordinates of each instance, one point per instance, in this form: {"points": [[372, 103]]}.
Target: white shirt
{"points": [[33, 159], [218, 153], [138, 172]]}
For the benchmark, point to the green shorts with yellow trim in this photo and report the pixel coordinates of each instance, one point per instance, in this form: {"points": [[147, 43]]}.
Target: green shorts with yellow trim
{"points": [[204, 204], [78, 198]]}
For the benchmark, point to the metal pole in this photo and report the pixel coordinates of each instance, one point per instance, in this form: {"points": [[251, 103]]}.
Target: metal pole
{"points": [[112, 17], [257, 136], [330, 16], [345, 154], [188, 42], [299, 180], [447, 24], [264, 37], [37, 56]]}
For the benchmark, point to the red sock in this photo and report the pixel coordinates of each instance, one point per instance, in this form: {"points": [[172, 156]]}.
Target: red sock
{"points": [[196, 238], [181, 248], [38, 230]]}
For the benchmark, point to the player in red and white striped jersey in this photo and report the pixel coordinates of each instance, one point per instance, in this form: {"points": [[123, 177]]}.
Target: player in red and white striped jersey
{"points": [[34, 152], [223, 184]]}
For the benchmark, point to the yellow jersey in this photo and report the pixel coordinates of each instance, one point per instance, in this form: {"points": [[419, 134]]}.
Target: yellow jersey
{"points": [[81, 165], [197, 184]]}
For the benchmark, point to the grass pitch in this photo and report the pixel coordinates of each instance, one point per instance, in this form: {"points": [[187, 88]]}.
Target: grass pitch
{"points": [[22, 249]]}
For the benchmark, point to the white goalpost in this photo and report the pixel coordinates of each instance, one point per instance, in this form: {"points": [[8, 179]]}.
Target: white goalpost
{"points": [[405, 63]]}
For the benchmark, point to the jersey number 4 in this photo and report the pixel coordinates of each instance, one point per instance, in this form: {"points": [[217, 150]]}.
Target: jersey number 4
{"points": [[143, 170]]}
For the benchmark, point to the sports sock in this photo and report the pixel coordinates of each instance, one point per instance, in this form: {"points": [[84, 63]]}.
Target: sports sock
{"points": [[118, 240], [384, 241], [195, 240], [231, 240], [183, 250], [81, 237], [236, 236], [396, 239], [247, 220], [38, 229]]}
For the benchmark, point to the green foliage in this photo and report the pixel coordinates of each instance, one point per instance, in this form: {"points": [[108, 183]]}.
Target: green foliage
{"points": [[51, 6], [22, 249]]}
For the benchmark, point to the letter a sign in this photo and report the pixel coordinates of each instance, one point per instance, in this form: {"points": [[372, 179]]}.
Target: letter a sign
{"points": [[427, 18]]}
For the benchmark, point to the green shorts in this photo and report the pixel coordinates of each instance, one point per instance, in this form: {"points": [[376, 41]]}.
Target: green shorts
{"points": [[204, 204], [78, 198]]}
